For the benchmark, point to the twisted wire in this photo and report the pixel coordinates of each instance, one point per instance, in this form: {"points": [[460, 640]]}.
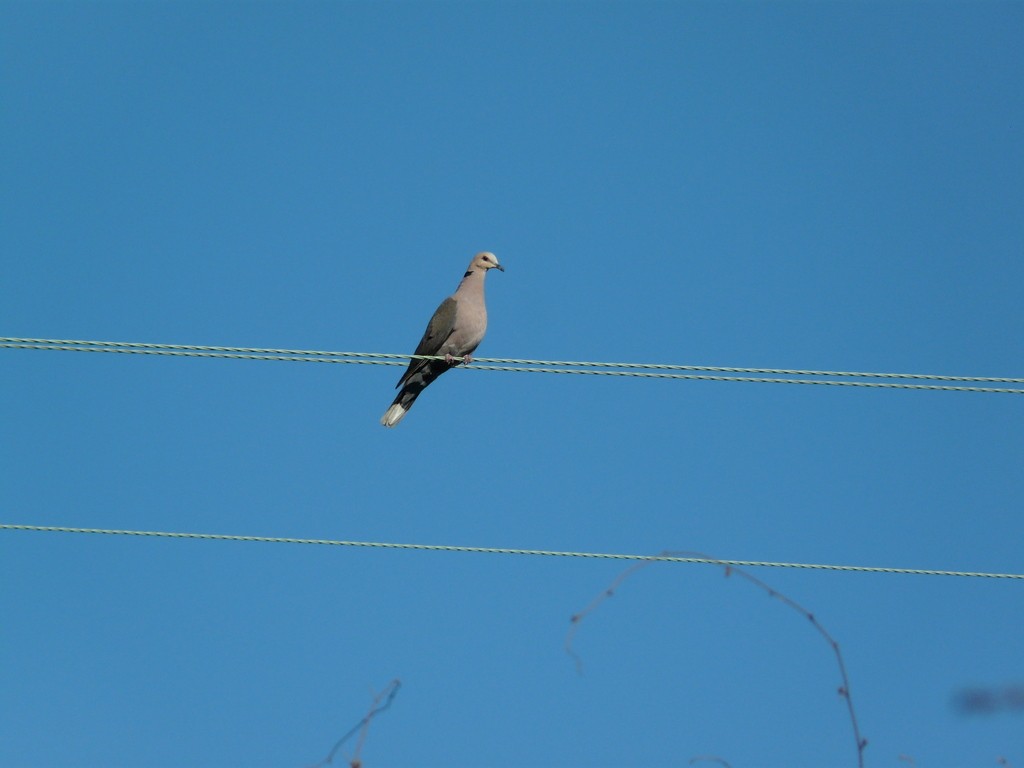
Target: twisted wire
{"points": [[633, 370], [665, 558]]}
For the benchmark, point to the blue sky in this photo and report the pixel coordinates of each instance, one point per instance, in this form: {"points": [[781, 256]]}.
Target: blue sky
{"points": [[791, 185]]}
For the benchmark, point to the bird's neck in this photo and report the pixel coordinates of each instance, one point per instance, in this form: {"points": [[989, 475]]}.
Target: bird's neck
{"points": [[472, 280]]}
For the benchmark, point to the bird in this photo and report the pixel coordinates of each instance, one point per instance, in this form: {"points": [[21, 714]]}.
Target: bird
{"points": [[455, 331]]}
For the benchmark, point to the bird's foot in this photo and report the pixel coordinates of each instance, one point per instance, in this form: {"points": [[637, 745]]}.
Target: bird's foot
{"points": [[467, 359], [453, 361]]}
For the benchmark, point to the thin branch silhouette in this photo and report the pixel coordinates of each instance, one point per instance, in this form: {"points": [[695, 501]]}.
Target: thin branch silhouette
{"points": [[844, 688], [709, 759], [388, 695]]}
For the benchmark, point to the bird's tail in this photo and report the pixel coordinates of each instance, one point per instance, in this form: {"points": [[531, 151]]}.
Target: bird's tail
{"points": [[393, 415], [416, 381]]}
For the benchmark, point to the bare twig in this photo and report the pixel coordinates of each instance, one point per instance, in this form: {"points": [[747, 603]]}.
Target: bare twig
{"points": [[387, 695], [844, 688], [578, 617], [709, 759]]}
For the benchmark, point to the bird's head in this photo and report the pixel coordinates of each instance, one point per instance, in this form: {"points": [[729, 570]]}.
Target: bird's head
{"points": [[485, 261]]}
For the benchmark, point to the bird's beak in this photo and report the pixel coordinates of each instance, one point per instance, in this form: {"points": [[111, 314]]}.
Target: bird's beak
{"points": [[498, 266]]}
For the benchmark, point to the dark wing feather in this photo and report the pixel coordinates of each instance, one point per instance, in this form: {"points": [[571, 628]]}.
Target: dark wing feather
{"points": [[440, 327]]}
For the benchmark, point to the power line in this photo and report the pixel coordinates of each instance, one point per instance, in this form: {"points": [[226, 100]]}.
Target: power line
{"points": [[665, 558], [635, 370], [509, 360]]}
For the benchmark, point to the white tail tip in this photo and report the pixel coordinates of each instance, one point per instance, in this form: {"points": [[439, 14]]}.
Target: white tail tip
{"points": [[392, 415]]}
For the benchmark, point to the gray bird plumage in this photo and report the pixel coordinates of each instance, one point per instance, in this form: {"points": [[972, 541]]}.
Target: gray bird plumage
{"points": [[456, 330]]}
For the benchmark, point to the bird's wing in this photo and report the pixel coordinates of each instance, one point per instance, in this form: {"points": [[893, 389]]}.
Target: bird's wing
{"points": [[439, 329]]}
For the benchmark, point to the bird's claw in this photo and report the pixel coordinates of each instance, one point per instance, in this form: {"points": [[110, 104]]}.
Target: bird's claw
{"points": [[453, 361]]}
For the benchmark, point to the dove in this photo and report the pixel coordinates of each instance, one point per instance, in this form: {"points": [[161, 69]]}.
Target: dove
{"points": [[455, 331]]}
